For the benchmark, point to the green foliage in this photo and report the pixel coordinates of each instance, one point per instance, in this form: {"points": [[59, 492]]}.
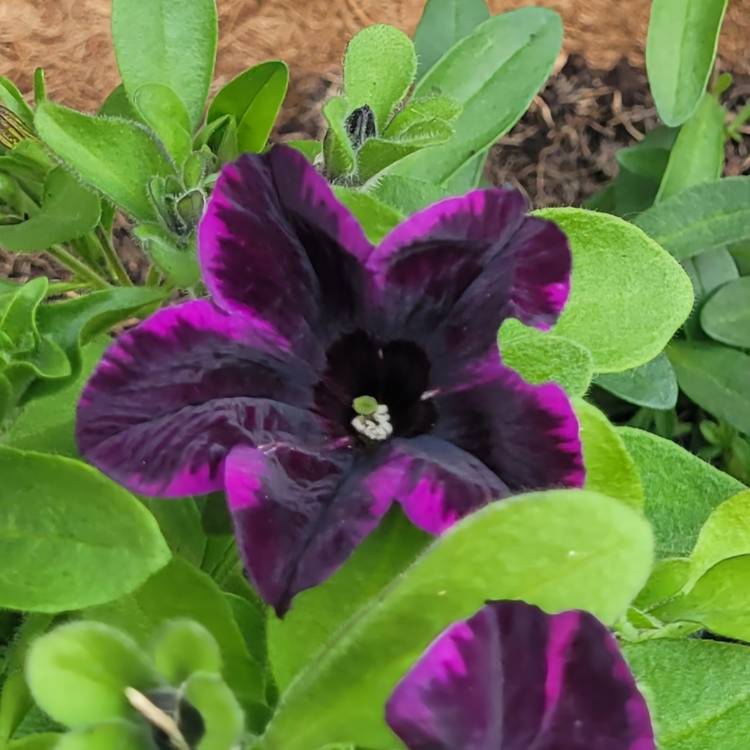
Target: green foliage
{"points": [[681, 490], [68, 211], [379, 68], [443, 24], [548, 557], [168, 43], [683, 37], [716, 377], [726, 315], [163, 111], [183, 647], [117, 157], [493, 73], [78, 673], [219, 709], [653, 385], [178, 262], [609, 467], [406, 194], [182, 591], [73, 537], [544, 357], [253, 99], [628, 296], [687, 684], [119, 735], [376, 218], [702, 218]]}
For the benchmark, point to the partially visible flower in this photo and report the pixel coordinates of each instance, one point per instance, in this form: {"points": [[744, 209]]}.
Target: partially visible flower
{"points": [[13, 129], [515, 678], [327, 378]]}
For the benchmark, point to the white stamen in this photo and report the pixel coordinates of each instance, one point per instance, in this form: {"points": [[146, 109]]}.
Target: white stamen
{"points": [[376, 426], [154, 715]]}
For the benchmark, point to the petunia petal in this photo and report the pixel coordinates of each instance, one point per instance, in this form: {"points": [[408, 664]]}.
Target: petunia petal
{"points": [[298, 515], [454, 271], [275, 243], [172, 396], [527, 434], [515, 678], [436, 483]]}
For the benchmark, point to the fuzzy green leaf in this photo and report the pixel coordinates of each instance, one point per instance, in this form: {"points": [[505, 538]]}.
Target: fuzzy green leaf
{"points": [[726, 315], [653, 385]]}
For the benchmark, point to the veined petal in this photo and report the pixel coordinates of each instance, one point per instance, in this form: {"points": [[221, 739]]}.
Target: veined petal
{"points": [[172, 396], [515, 678], [298, 515], [436, 483], [275, 243], [454, 271], [527, 434]]}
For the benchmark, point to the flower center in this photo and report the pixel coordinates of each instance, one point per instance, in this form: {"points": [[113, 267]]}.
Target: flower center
{"points": [[372, 419]]}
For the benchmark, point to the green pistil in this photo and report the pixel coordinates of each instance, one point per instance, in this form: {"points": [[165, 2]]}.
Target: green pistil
{"points": [[365, 406]]}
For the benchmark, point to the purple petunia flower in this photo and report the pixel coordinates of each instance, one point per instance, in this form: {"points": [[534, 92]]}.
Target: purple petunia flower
{"points": [[515, 678], [327, 378]]}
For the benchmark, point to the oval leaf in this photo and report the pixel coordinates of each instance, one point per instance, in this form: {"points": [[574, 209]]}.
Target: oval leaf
{"points": [[174, 44], [68, 211], [163, 111], [493, 73], [702, 218], [628, 296], [532, 547], [653, 385], [716, 377], [683, 36], [681, 489], [117, 157], [254, 99], [71, 537], [726, 315]]}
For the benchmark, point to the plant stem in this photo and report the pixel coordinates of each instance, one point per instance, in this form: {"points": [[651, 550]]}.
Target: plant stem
{"points": [[113, 260], [78, 267], [153, 277]]}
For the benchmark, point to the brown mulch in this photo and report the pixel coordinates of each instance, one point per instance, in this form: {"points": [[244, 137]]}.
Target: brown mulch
{"points": [[560, 153]]}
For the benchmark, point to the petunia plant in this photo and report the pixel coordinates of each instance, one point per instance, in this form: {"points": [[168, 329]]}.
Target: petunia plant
{"points": [[340, 470]]}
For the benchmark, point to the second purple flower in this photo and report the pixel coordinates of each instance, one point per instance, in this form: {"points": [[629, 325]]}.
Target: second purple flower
{"points": [[327, 378]]}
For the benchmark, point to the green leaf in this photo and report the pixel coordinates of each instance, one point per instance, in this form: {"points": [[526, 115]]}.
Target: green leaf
{"points": [[418, 113], [494, 73], [68, 211], [311, 149], [118, 105], [18, 321], [609, 467], [544, 357], [698, 153], [702, 218], [681, 490], [720, 600], [174, 44], [379, 68], [254, 99], [179, 264], [181, 591], [532, 547], [12, 98], [443, 24], [163, 111], [726, 315], [716, 377], [653, 385], [183, 647], [666, 580], [686, 683], [725, 534], [219, 709], [117, 157], [406, 194], [180, 522], [48, 424], [72, 538], [376, 218], [628, 296], [294, 641], [338, 151], [46, 741], [78, 673], [708, 271], [683, 36], [111, 735]]}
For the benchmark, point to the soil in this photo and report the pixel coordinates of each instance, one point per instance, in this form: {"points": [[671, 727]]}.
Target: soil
{"points": [[560, 153]]}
